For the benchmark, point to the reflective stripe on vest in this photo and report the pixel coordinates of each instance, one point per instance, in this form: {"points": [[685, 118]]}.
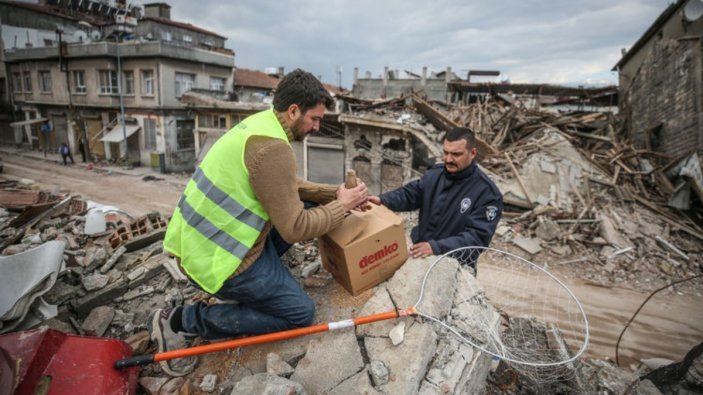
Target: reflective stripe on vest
{"points": [[218, 218]]}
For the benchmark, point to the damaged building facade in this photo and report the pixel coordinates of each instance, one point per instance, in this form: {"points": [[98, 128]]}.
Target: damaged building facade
{"points": [[82, 66], [660, 82]]}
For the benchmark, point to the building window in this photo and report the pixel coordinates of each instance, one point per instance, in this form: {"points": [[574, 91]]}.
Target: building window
{"points": [[150, 134], [16, 82], [3, 90], [184, 134], [27, 81], [128, 82], [78, 81], [217, 84], [108, 82], [45, 81], [166, 36], [148, 82], [216, 121], [184, 83], [187, 38]]}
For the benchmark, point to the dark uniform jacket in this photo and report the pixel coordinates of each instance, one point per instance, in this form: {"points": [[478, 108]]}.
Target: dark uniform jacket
{"points": [[456, 210]]}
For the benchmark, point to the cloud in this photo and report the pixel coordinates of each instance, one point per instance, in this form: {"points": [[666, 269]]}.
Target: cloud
{"points": [[530, 40]]}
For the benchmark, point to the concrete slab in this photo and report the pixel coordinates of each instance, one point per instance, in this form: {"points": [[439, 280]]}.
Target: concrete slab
{"points": [[359, 384], [405, 286], [407, 362], [337, 354]]}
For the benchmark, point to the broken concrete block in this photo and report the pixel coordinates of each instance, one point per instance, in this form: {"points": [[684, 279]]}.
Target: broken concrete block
{"points": [[310, 268], [448, 366], [264, 383], [379, 373], [530, 245], [547, 229], [406, 284], [346, 360], [98, 320], [139, 342], [175, 386], [152, 385], [397, 333], [135, 293], [172, 268], [610, 234], [113, 259], [208, 383], [502, 230], [276, 365], [94, 281], [94, 258]]}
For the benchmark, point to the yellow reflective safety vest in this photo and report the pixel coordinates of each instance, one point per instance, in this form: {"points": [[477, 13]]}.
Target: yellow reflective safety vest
{"points": [[218, 217]]}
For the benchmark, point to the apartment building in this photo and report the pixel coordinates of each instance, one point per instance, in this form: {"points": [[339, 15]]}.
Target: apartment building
{"points": [[114, 74]]}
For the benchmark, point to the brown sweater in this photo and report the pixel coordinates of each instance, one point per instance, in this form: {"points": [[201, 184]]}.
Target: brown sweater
{"points": [[271, 165]]}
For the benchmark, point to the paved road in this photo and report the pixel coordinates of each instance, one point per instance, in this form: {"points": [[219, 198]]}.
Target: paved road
{"points": [[112, 186]]}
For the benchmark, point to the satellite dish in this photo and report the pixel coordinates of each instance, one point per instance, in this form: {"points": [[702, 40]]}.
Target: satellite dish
{"points": [[693, 10], [95, 35], [80, 36]]}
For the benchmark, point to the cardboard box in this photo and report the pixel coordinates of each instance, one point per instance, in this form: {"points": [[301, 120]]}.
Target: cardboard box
{"points": [[366, 249]]}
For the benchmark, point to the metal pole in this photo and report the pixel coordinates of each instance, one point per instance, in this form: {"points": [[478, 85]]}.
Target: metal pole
{"points": [[119, 91]]}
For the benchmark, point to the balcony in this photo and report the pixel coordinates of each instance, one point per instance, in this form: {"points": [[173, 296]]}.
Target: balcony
{"points": [[128, 50]]}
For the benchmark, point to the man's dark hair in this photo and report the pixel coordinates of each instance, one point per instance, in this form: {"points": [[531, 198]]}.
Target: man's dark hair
{"points": [[465, 134], [301, 88]]}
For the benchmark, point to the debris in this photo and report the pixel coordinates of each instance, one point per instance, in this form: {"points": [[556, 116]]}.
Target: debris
{"points": [[276, 365], [528, 244], [397, 333], [98, 320], [672, 248], [208, 383], [379, 373], [95, 223]]}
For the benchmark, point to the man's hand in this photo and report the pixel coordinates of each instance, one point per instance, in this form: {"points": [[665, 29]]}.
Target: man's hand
{"points": [[421, 250], [353, 197], [375, 200]]}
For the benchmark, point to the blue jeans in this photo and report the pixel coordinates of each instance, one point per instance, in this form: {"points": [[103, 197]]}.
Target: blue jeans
{"points": [[269, 300]]}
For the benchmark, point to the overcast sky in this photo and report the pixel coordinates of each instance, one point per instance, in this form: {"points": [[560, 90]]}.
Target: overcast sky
{"points": [[547, 41]]}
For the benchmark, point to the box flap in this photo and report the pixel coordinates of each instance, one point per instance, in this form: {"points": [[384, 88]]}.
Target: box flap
{"points": [[388, 215], [350, 229]]}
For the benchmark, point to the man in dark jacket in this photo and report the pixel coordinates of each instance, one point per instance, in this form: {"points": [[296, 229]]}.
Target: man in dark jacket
{"points": [[459, 205]]}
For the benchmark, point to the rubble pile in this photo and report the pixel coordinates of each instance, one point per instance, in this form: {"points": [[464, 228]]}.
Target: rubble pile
{"points": [[576, 191], [577, 197]]}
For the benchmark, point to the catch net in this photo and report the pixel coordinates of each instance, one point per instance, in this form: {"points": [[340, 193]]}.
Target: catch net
{"points": [[512, 309]]}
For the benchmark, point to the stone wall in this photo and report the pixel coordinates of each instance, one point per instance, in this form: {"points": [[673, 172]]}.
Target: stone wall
{"points": [[663, 104]]}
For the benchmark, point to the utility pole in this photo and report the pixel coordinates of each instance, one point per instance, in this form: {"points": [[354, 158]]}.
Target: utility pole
{"points": [[119, 92]]}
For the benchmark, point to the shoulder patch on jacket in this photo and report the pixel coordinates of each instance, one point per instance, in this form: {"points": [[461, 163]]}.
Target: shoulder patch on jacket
{"points": [[465, 204], [491, 213]]}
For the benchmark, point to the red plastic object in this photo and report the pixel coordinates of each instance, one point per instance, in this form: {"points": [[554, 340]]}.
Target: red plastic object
{"points": [[48, 361]]}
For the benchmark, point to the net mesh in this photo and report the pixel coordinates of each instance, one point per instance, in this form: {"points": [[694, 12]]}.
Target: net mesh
{"points": [[511, 309]]}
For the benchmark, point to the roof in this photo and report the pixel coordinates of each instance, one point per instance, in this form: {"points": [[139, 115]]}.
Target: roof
{"points": [[532, 89], [182, 25], [333, 89], [659, 22], [254, 79]]}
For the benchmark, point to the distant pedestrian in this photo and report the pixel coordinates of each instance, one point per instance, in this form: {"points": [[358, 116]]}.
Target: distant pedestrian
{"points": [[65, 152], [82, 147], [45, 133]]}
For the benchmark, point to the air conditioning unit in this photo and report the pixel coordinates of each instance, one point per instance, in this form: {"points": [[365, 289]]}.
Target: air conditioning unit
{"points": [[130, 20]]}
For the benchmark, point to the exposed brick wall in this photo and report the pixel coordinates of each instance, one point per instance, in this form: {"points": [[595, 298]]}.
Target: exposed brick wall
{"points": [[667, 91]]}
